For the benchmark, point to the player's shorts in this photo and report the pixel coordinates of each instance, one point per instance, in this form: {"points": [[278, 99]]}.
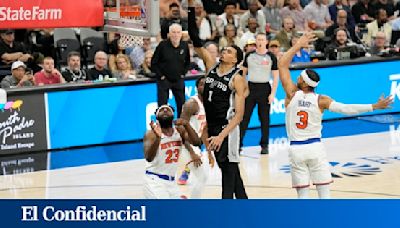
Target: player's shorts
{"points": [[309, 163], [157, 188]]}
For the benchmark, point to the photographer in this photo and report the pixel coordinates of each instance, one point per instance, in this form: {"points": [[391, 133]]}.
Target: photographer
{"points": [[339, 48]]}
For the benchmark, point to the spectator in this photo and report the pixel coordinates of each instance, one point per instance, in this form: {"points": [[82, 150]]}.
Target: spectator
{"points": [[49, 75], [272, 17], [388, 6], [137, 55], [303, 55], [214, 7], [363, 12], [250, 34], [99, 71], [124, 68], [207, 30], [242, 6], [145, 68], [116, 47], [338, 5], [196, 63], [295, 11], [250, 46], [274, 48], [212, 48], [341, 22], [174, 17], [337, 49], [170, 62], [318, 15], [74, 73], [230, 37], [255, 13], [380, 24], [10, 50], [285, 35], [228, 17], [379, 48], [19, 77]]}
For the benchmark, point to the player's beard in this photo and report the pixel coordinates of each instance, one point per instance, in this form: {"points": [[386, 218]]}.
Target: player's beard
{"points": [[165, 122]]}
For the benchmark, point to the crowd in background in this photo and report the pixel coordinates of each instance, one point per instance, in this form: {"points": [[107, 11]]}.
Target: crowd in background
{"points": [[346, 30]]}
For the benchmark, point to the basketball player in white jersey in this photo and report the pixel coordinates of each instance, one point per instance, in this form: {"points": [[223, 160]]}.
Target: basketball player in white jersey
{"points": [[304, 110], [193, 111], [162, 148]]}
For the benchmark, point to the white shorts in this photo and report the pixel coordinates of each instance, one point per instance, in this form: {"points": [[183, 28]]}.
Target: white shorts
{"points": [[309, 162], [157, 188]]}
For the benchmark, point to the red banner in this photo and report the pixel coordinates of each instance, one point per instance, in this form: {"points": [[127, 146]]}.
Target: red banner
{"points": [[51, 13]]}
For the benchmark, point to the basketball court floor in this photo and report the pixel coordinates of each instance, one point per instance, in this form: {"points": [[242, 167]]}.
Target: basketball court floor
{"points": [[364, 154]]}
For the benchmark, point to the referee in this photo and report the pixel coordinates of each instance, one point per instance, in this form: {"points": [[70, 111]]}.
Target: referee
{"points": [[259, 66]]}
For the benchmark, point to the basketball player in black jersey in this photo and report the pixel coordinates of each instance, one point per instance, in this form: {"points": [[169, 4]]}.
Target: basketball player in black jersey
{"points": [[225, 91]]}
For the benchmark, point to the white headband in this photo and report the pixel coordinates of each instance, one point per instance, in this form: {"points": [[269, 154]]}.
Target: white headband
{"points": [[308, 80], [164, 106]]}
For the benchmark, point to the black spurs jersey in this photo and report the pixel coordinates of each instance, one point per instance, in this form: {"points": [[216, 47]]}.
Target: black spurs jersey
{"points": [[219, 99]]}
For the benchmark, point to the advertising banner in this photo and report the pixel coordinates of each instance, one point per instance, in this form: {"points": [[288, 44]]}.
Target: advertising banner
{"points": [[50, 13], [23, 124]]}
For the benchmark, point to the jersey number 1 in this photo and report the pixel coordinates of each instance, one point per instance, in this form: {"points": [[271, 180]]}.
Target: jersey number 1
{"points": [[303, 119], [172, 156]]}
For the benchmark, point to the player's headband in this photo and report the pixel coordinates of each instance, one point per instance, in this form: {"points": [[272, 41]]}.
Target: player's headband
{"points": [[308, 80], [164, 106]]}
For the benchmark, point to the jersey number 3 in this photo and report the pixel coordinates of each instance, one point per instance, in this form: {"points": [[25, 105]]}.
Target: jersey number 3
{"points": [[172, 156], [303, 119]]}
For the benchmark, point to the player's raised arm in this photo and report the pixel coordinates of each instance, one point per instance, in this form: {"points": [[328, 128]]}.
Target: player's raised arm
{"points": [[209, 62], [187, 132], [151, 141], [284, 63]]}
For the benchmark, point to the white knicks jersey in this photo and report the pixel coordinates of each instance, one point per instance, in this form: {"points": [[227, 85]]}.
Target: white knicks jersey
{"points": [[303, 117], [198, 120], [166, 160]]}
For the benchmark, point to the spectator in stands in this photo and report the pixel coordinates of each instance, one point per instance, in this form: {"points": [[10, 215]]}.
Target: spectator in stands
{"points": [[228, 17], [174, 17], [49, 74], [230, 37], [272, 17], [145, 68], [302, 56], [318, 15], [10, 50], [285, 35], [214, 7], [378, 47], [250, 34], [250, 46], [99, 71], [124, 68], [207, 30], [242, 6], [341, 22], [137, 55], [170, 62], [74, 73], [19, 78], [338, 5], [255, 13], [363, 12], [295, 11], [334, 52], [116, 47], [212, 48], [274, 47], [387, 5], [380, 24]]}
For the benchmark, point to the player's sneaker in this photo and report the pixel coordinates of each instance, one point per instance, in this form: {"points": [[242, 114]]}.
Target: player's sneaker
{"points": [[184, 177]]}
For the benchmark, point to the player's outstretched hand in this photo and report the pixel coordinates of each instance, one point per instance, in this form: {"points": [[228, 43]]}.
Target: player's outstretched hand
{"points": [[305, 40], [383, 103], [196, 159], [156, 128], [211, 160]]}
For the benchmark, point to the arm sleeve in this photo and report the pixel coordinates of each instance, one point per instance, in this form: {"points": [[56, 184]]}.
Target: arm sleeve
{"points": [[187, 60], [193, 30], [274, 61], [245, 64], [350, 109]]}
